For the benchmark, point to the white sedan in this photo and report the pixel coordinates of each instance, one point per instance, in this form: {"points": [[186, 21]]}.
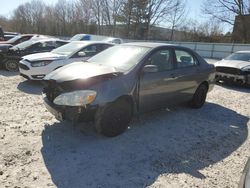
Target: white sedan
{"points": [[235, 68], [37, 66]]}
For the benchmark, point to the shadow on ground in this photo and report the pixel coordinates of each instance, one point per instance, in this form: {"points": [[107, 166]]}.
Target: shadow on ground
{"points": [[178, 141], [234, 86], [8, 73], [30, 87]]}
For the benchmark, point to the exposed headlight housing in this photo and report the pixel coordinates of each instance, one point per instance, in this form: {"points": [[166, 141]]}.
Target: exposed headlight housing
{"points": [[40, 63], [76, 98]]}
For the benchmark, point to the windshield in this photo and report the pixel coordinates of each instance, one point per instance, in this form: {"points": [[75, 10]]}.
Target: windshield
{"points": [[239, 57], [77, 37], [14, 39], [24, 45], [69, 48], [121, 57]]}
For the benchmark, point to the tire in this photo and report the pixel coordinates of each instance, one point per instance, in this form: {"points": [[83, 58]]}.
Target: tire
{"points": [[199, 97], [11, 65], [2, 62], [113, 119]]}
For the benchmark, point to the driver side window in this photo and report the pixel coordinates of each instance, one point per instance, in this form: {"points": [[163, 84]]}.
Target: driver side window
{"points": [[162, 59], [89, 51]]}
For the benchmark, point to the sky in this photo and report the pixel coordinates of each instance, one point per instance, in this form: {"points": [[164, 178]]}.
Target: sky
{"points": [[7, 6]]}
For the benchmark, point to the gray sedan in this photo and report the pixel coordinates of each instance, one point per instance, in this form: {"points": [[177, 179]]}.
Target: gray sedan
{"points": [[125, 80]]}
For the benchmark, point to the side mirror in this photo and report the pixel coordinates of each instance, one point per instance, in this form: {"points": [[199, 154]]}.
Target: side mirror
{"points": [[150, 69], [81, 54]]}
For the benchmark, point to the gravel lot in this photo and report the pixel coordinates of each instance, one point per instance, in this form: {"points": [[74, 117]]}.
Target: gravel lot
{"points": [[179, 147]]}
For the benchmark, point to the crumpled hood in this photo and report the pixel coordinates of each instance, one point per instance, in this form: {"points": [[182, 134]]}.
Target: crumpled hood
{"points": [[79, 71], [44, 56], [5, 47], [232, 63]]}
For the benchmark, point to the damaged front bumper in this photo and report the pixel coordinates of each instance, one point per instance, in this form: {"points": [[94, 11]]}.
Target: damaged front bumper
{"points": [[243, 79], [74, 114]]}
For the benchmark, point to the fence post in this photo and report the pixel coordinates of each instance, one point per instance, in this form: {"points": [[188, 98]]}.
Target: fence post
{"points": [[232, 51], [195, 47], [212, 52]]}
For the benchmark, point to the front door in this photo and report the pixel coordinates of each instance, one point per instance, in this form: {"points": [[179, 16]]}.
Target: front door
{"points": [[156, 89]]}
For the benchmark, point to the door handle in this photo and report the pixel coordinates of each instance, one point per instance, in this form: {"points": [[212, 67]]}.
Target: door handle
{"points": [[171, 77]]}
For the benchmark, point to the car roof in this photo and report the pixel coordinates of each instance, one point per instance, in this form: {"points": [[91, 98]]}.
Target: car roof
{"points": [[36, 40], [149, 44], [91, 42], [245, 51]]}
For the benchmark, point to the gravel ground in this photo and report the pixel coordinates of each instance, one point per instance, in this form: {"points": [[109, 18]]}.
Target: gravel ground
{"points": [[179, 147]]}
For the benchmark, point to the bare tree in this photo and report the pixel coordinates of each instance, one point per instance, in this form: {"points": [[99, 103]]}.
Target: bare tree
{"points": [[177, 17], [226, 10]]}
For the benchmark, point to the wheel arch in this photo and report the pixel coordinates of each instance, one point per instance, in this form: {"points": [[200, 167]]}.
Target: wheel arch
{"points": [[130, 100]]}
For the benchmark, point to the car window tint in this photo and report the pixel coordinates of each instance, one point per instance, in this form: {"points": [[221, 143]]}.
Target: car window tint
{"points": [[60, 43], [162, 59], [104, 47], [22, 39], [184, 59], [90, 50], [117, 41]]}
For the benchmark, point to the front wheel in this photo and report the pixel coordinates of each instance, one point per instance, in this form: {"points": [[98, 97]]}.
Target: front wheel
{"points": [[113, 119], [11, 65], [199, 97]]}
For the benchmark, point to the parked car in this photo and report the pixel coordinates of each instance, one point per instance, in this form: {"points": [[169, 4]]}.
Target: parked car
{"points": [[36, 66], [12, 57], [1, 34], [234, 68], [125, 80], [86, 37], [6, 45], [22, 38], [9, 35], [245, 178]]}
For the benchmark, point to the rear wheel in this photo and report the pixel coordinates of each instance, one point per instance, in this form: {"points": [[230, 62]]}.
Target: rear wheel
{"points": [[11, 65], [199, 97], [113, 119]]}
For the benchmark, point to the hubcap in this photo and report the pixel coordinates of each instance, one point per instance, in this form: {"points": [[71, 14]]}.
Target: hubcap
{"points": [[12, 65]]}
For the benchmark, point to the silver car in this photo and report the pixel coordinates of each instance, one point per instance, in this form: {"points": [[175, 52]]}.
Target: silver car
{"points": [[125, 80], [234, 68]]}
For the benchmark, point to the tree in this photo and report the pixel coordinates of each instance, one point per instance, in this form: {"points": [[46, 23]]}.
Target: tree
{"points": [[178, 16], [226, 10]]}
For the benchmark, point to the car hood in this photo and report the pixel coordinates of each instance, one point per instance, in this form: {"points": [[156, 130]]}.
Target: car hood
{"points": [[5, 47], [232, 63], [4, 42], [44, 56], [80, 71]]}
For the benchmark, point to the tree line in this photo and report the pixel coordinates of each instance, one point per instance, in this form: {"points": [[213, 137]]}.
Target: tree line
{"points": [[131, 19]]}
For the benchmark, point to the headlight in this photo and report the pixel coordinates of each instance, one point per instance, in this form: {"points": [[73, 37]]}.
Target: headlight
{"points": [[76, 98], [247, 68], [40, 63]]}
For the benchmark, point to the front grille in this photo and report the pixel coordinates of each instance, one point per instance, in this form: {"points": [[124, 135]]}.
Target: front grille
{"points": [[229, 70], [24, 67]]}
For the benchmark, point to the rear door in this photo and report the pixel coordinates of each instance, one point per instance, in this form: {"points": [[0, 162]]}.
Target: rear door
{"points": [[186, 74]]}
